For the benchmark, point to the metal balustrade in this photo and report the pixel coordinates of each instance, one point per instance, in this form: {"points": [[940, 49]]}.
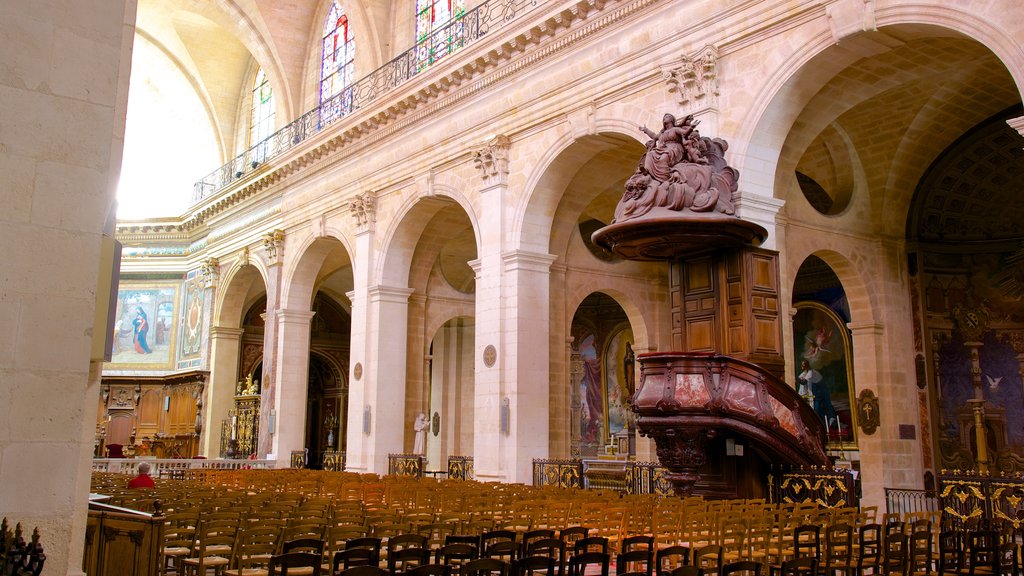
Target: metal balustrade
{"points": [[463, 30]]}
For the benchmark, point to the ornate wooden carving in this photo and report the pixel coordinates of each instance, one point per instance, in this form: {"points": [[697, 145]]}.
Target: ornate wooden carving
{"points": [[867, 412]]}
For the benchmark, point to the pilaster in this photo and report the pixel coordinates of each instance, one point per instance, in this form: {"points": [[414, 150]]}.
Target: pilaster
{"points": [[225, 348], [287, 420]]}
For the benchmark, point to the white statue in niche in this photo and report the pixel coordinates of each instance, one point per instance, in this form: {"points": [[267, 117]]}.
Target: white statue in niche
{"points": [[421, 425]]}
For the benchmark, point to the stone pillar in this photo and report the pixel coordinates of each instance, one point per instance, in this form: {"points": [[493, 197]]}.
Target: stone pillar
{"points": [[868, 341], [65, 76], [526, 372], [225, 346], [357, 437], [490, 461], [384, 376], [269, 387], [290, 385]]}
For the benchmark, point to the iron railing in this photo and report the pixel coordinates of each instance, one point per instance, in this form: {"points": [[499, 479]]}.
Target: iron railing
{"points": [[968, 499], [334, 461], [648, 478], [462, 31], [903, 501]]}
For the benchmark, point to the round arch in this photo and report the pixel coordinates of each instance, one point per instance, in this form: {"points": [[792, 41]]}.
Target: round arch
{"points": [[301, 274]]}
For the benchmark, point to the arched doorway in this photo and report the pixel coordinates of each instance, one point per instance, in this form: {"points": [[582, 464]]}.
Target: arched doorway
{"points": [[601, 380], [327, 388], [451, 392]]}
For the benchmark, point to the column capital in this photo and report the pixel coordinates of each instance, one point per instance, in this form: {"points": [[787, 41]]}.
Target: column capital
{"points": [[225, 332], [491, 158], [528, 261], [866, 328], [389, 294], [364, 210], [294, 316]]}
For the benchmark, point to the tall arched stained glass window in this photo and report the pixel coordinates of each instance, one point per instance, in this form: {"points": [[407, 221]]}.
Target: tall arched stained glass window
{"points": [[261, 123], [336, 71], [439, 29]]}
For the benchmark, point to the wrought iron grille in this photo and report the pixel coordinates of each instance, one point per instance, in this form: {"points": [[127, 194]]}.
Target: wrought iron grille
{"points": [[460, 467], [966, 499], [298, 459], [460, 32], [647, 478], [334, 461], [564, 473], [828, 488], [406, 465]]}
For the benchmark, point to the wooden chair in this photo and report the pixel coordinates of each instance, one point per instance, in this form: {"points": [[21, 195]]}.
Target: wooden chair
{"points": [[256, 545], [745, 567], [982, 553], [364, 571], [571, 534], [499, 544], [805, 566], [951, 552], [838, 550], [349, 557], [637, 562], [671, 557], [869, 548], [179, 539], [216, 541], [551, 547], [579, 563], [532, 565], [405, 559], [590, 544], [895, 553], [430, 570], [307, 545], [708, 558], [687, 571], [919, 554], [485, 567], [1008, 558], [532, 535], [456, 555], [294, 563]]}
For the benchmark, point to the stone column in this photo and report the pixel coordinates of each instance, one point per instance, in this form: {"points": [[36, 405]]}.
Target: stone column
{"points": [[868, 341], [225, 346], [490, 460], [66, 67], [363, 209], [384, 376], [526, 369], [269, 387], [290, 385]]}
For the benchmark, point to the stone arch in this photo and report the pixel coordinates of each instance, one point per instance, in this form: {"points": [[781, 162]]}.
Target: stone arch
{"points": [[863, 301], [562, 158], [794, 84], [231, 304], [302, 273], [408, 225], [634, 314]]}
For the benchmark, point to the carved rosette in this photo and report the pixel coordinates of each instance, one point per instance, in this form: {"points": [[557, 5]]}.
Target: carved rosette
{"points": [[272, 244], [695, 79], [364, 209], [491, 159]]}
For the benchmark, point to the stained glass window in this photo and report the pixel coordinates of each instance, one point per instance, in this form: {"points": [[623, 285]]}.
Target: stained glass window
{"points": [[439, 29], [336, 71], [261, 124]]}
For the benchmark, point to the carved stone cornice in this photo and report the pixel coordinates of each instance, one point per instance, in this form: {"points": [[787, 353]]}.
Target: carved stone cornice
{"points": [[364, 210], [491, 159], [695, 80]]}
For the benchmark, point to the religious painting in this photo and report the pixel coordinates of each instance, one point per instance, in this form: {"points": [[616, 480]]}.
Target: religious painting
{"points": [[145, 326], [591, 402], [824, 370], [192, 322], [1000, 390], [618, 417]]}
